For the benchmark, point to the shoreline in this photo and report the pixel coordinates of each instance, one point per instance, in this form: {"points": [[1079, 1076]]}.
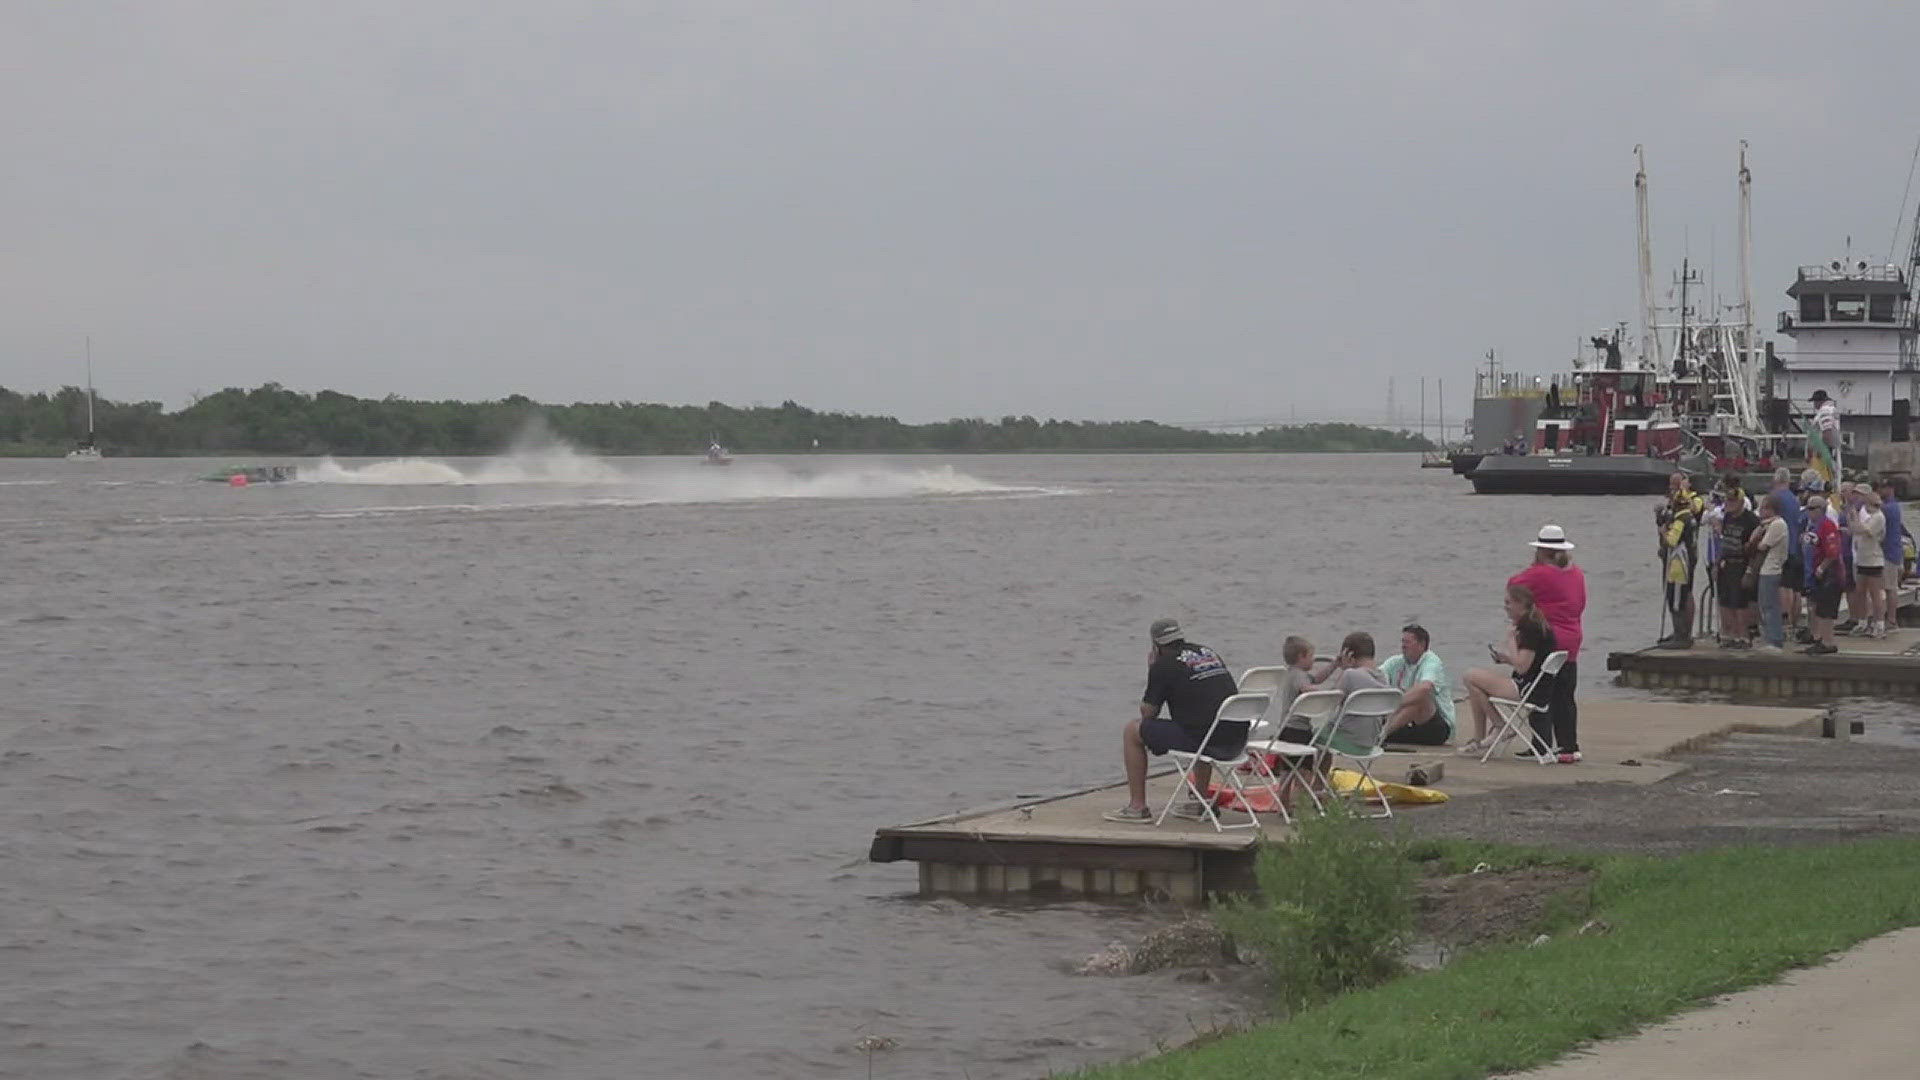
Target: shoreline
{"points": [[107, 455], [1743, 804]]}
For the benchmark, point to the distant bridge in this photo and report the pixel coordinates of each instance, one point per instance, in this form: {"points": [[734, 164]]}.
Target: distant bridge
{"points": [[1239, 425]]}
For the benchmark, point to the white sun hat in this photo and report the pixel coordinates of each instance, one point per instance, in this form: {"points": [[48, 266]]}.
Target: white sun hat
{"points": [[1552, 537]]}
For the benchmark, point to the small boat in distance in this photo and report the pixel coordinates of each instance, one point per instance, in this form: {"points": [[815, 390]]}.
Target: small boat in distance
{"points": [[243, 475], [87, 449], [717, 455]]}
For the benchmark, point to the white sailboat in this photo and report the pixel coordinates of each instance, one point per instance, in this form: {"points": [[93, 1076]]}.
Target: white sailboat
{"points": [[87, 449]]}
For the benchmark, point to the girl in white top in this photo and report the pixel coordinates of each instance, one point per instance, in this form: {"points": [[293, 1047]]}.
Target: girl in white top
{"points": [[1869, 527], [1770, 547]]}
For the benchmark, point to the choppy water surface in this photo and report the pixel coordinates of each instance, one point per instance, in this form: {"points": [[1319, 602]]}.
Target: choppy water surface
{"points": [[557, 766]]}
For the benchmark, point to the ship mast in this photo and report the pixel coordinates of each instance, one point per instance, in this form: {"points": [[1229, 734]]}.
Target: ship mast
{"points": [[1649, 341], [1908, 337], [90, 390], [1744, 364], [1750, 329]]}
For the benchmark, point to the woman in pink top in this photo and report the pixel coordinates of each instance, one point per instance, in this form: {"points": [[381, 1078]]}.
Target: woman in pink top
{"points": [[1560, 590]]}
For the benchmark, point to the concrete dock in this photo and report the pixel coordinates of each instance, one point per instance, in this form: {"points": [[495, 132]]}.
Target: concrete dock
{"points": [[1061, 846], [1881, 667]]}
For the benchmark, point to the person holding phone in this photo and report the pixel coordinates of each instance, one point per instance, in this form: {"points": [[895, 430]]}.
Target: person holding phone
{"points": [[1528, 644]]}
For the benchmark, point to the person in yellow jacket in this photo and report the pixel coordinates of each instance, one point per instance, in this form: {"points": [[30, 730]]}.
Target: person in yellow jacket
{"points": [[1678, 522]]}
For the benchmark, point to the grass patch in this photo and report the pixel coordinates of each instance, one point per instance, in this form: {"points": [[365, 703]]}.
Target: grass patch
{"points": [[1446, 855], [1334, 910], [1684, 928]]}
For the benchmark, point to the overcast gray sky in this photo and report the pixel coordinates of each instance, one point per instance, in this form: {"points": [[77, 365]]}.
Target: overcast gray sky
{"points": [[1091, 209]]}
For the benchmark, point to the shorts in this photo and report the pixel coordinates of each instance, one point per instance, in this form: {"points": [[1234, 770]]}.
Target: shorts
{"points": [[1729, 584], [1161, 735], [1433, 731], [1868, 571], [1826, 600]]}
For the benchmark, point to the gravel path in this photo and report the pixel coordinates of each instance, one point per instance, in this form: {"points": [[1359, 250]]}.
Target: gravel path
{"points": [[1745, 789]]}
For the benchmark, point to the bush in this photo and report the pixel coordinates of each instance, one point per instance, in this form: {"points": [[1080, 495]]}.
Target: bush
{"points": [[1334, 909]]}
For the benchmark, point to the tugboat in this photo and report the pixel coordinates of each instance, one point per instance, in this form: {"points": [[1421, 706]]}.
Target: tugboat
{"points": [[1622, 425], [1613, 434]]}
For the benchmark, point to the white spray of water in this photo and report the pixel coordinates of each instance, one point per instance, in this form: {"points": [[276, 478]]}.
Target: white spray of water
{"points": [[648, 481]]}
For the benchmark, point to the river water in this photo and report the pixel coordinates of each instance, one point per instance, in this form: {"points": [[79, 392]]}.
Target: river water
{"points": [[555, 766]]}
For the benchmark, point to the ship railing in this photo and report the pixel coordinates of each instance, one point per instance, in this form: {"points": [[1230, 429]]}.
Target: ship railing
{"points": [[1829, 272]]}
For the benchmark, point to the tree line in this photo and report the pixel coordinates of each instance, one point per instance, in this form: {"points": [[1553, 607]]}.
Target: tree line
{"points": [[271, 419]]}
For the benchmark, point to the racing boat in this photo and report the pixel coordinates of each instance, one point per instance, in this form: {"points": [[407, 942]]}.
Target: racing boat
{"points": [[241, 475]]}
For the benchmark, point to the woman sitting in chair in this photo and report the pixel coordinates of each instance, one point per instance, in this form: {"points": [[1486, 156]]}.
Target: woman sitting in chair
{"points": [[1524, 651]]}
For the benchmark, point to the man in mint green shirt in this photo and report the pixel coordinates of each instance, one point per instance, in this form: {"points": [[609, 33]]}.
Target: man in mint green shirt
{"points": [[1425, 716]]}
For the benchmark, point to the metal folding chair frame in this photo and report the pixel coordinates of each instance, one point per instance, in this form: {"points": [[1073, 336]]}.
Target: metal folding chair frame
{"points": [[1512, 713], [1227, 769]]}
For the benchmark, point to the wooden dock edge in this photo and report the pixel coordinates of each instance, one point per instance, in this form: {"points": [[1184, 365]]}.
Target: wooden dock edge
{"points": [[956, 860], [1824, 678]]}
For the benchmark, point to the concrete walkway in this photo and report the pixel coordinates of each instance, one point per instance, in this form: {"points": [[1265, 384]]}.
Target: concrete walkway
{"points": [[1852, 1016]]}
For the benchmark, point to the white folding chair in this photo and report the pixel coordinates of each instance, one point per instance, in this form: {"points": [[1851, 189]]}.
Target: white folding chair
{"points": [[1231, 725], [1356, 735], [1263, 680], [1516, 717], [1312, 710]]}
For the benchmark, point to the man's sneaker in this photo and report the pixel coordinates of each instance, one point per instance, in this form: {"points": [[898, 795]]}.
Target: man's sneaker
{"points": [[1191, 809], [1803, 635], [1820, 648], [1768, 647], [1879, 630], [1571, 757], [1845, 627], [1130, 815], [1675, 643], [1859, 630]]}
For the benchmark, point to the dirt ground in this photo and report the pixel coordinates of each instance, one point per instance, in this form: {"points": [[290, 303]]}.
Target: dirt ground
{"points": [[1745, 789], [1456, 911]]}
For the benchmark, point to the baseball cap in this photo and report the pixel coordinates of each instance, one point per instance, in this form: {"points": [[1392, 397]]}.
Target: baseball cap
{"points": [[1165, 631]]}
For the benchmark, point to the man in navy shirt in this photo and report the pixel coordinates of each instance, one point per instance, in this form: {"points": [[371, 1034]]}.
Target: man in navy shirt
{"points": [[1191, 681]]}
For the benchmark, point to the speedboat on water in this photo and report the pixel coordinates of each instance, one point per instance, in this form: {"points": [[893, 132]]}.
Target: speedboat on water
{"points": [[241, 475], [717, 455]]}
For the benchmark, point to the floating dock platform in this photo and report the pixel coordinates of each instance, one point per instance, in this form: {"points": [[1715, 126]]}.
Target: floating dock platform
{"points": [[1879, 667], [1060, 846]]}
